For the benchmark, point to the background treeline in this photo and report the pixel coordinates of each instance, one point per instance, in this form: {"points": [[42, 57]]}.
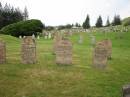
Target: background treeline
{"points": [[9, 14]]}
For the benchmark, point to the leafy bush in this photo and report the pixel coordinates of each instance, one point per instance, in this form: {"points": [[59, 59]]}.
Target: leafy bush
{"points": [[126, 21], [23, 28]]}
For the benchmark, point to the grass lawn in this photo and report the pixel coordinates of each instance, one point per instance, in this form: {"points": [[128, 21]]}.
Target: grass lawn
{"points": [[47, 79]]}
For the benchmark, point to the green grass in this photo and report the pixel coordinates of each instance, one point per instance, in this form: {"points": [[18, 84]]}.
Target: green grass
{"points": [[47, 79]]}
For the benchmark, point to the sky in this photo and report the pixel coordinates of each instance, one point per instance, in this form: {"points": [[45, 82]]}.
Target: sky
{"points": [[61, 12]]}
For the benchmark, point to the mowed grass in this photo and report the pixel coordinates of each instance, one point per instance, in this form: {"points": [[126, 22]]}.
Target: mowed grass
{"points": [[47, 79]]}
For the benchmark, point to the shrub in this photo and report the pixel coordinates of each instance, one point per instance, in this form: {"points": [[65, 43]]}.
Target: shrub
{"points": [[23, 28], [126, 21]]}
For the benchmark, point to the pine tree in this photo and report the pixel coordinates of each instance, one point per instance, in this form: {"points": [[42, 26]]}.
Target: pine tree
{"points": [[99, 22], [108, 22], [116, 20], [86, 23], [25, 14]]}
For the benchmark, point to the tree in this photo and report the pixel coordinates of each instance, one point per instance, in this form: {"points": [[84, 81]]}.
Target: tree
{"points": [[9, 15], [86, 23], [108, 22], [99, 22], [116, 20], [77, 25], [25, 14]]}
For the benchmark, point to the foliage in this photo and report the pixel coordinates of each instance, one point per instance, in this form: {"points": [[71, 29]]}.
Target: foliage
{"points": [[107, 22], [126, 21], [116, 20], [49, 28], [86, 23], [99, 22], [9, 15], [23, 28]]}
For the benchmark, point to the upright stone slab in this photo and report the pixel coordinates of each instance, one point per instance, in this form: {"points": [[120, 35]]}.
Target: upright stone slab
{"points": [[57, 39], [100, 56], [126, 91], [93, 41], [108, 45], [64, 52], [2, 52], [28, 50], [80, 39]]}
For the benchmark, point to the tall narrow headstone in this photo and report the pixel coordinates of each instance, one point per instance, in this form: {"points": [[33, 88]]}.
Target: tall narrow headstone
{"points": [[28, 50], [2, 52], [64, 52], [100, 56]]}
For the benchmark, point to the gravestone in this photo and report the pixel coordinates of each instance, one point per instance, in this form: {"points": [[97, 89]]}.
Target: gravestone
{"points": [[20, 37], [80, 39], [64, 52], [108, 45], [126, 91], [38, 37], [93, 41], [100, 56], [28, 50], [57, 39], [2, 52]]}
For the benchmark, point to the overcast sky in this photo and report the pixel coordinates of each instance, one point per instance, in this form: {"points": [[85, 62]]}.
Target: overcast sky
{"points": [[58, 12]]}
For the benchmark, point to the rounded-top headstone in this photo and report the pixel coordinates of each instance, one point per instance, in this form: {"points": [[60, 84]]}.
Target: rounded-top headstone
{"points": [[28, 50], [64, 52], [100, 56]]}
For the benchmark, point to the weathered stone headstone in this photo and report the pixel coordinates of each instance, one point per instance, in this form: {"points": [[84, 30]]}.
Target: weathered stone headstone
{"points": [[2, 52], [108, 45], [28, 50], [100, 56], [64, 52], [57, 39], [126, 91]]}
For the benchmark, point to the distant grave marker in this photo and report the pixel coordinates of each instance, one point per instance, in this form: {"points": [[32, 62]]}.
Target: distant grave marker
{"points": [[80, 39], [28, 50]]}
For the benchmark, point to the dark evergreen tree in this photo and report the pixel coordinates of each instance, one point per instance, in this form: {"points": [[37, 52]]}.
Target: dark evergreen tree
{"points": [[9, 15], [108, 22], [25, 14], [86, 23], [77, 25], [99, 22], [116, 20]]}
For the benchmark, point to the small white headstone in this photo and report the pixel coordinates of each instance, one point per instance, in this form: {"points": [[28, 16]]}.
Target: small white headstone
{"points": [[38, 37], [49, 36], [20, 36], [33, 36]]}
